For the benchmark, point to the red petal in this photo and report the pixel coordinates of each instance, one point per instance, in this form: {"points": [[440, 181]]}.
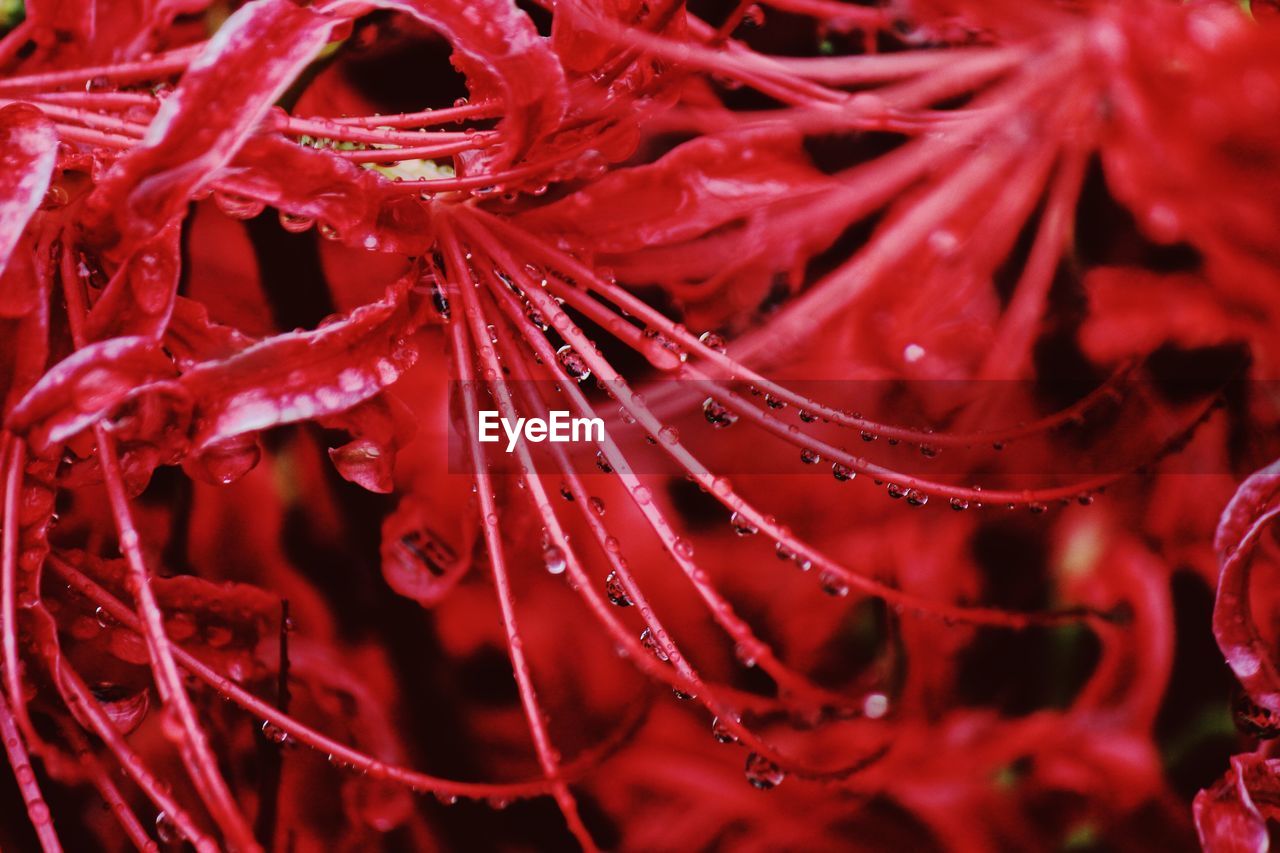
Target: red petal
{"points": [[1254, 507], [380, 426], [139, 298], [497, 46], [28, 150], [304, 375], [1227, 818], [84, 387], [221, 99]]}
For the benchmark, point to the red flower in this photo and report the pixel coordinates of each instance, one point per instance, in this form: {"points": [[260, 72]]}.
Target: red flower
{"points": [[919, 245]]}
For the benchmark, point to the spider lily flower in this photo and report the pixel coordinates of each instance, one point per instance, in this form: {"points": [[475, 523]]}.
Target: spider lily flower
{"points": [[263, 279]]}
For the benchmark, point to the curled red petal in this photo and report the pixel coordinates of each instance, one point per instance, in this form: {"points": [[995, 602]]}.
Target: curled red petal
{"points": [[698, 187], [1255, 505], [28, 151], [304, 375], [139, 298], [379, 427], [355, 204], [192, 337], [218, 105], [500, 51], [1227, 818], [85, 386]]}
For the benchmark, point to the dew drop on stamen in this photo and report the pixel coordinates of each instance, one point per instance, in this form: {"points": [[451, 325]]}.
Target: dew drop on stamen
{"points": [[894, 491], [762, 773], [1037, 508], [616, 591], [720, 731], [718, 415], [713, 341], [554, 559], [773, 402], [274, 733], [915, 497], [166, 829], [572, 362], [832, 584], [683, 547], [868, 436], [647, 640], [959, 504], [603, 463], [810, 457], [597, 504], [742, 525]]}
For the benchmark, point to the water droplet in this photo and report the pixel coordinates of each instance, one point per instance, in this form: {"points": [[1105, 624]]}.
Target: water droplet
{"points": [[683, 547], [616, 591], [773, 402], [683, 694], [647, 640], [810, 457], [218, 636], [602, 463], [1084, 499], [833, 584], [720, 731], [875, 706], [105, 619], [669, 435], [928, 451], [237, 207], [713, 341], [1037, 508], [535, 317], [868, 436], [597, 504], [762, 773], [894, 490], [227, 461], [55, 196], [915, 497], [843, 473], [959, 504], [295, 224], [125, 708], [742, 525], [274, 733], [1254, 720], [718, 415], [807, 416], [166, 829], [554, 559]]}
